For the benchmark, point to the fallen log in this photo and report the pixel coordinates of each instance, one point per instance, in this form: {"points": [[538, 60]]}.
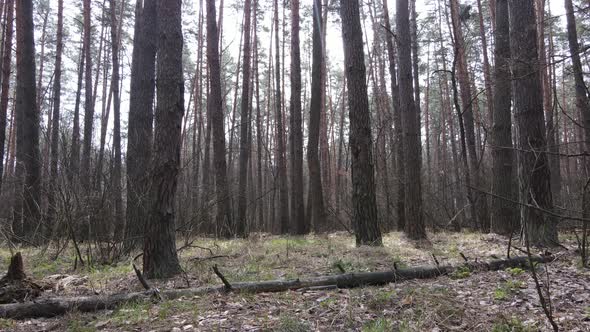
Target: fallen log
{"points": [[60, 305]]}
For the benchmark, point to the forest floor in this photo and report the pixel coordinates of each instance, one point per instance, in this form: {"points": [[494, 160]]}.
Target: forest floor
{"points": [[484, 301]]}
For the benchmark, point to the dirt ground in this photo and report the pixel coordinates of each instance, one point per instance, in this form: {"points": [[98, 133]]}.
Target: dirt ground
{"points": [[499, 301]]}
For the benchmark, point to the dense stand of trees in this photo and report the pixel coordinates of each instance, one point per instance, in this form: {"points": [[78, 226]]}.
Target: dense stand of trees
{"points": [[445, 114]]}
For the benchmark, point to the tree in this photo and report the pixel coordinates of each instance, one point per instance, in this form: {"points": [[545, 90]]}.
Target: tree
{"points": [[582, 102], [318, 214], [533, 168], [244, 125], [159, 252], [27, 122], [364, 203], [298, 223], [6, 64], [88, 105], [215, 109], [414, 214], [280, 143], [54, 158], [115, 79], [139, 131], [503, 218]]}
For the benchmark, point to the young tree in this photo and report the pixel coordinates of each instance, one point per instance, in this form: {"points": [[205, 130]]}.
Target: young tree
{"points": [[318, 215], [533, 168], [159, 253], [364, 215], [298, 223], [27, 122], [140, 128], [503, 219], [414, 225], [6, 64], [215, 109], [244, 125]]}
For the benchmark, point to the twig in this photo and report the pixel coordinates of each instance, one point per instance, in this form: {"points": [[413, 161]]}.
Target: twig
{"points": [[228, 286], [464, 257], [340, 267], [207, 258], [435, 260]]}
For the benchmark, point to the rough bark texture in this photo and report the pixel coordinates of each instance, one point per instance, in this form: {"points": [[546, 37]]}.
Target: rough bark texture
{"points": [[244, 125], [27, 120], [503, 219], [533, 168], [224, 220], [318, 214], [397, 123], [298, 223], [414, 214], [6, 64], [88, 105], [364, 203], [159, 253], [58, 306], [140, 129], [74, 162]]}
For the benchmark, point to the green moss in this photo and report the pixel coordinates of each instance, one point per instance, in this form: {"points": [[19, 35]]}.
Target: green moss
{"points": [[7, 324], [516, 271], [511, 325], [461, 273], [507, 289]]}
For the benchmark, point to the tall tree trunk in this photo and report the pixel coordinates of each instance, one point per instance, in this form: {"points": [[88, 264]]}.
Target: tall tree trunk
{"points": [[74, 163], [280, 142], [480, 218], [27, 122], [116, 177], [159, 252], [298, 223], [259, 133], [414, 226], [6, 66], [504, 218], [318, 215], [242, 219], [53, 172], [533, 168], [397, 123], [224, 220], [88, 107], [364, 215], [486, 64], [140, 128], [582, 102]]}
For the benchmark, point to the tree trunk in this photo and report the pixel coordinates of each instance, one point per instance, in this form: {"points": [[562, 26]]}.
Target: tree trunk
{"points": [[159, 253], [364, 215], [6, 66], [88, 105], [27, 122], [53, 173], [140, 127], [318, 214], [504, 218], [414, 226], [242, 218], [116, 177], [224, 219], [533, 168]]}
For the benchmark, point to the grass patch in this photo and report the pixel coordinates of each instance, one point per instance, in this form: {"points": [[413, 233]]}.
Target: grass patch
{"points": [[511, 325], [131, 313], [291, 324], [507, 289], [516, 271], [378, 325], [461, 273]]}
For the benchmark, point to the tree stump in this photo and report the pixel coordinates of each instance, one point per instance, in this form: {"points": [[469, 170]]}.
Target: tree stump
{"points": [[15, 286]]}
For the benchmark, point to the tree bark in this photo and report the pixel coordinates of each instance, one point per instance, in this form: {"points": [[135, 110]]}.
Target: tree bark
{"points": [[160, 259], [533, 168], [140, 128], [224, 219], [6, 64], [503, 219], [364, 215], [414, 225], [88, 105]]}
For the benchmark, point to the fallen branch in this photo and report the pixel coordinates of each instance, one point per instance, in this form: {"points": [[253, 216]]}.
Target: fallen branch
{"points": [[228, 286], [58, 306]]}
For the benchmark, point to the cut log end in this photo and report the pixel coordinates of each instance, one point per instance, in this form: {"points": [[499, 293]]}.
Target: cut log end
{"points": [[16, 269], [15, 286]]}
